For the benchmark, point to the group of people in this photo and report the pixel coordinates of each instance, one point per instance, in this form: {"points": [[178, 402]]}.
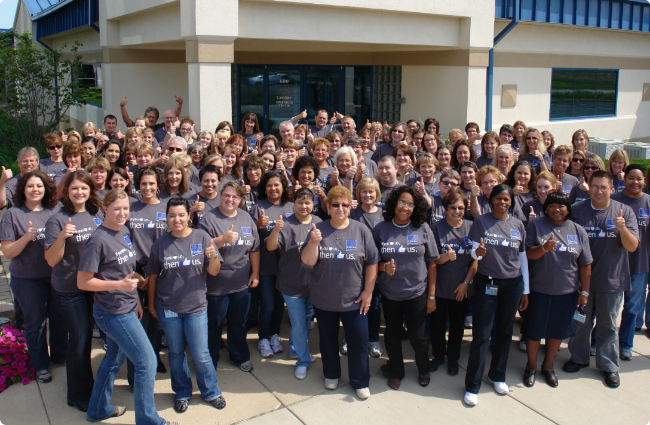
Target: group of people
{"points": [[166, 231]]}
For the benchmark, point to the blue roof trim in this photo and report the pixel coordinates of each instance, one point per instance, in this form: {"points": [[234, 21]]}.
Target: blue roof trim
{"points": [[74, 14], [629, 15]]}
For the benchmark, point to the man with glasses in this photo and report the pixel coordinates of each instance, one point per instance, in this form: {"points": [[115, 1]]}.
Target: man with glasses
{"points": [[27, 161], [387, 170], [613, 233], [169, 118]]}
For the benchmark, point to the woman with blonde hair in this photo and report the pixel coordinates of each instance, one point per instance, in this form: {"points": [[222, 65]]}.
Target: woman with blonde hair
{"points": [[618, 162], [133, 135], [580, 140], [504, 159], [89, 130], [534, 151], [544, 184], [206, 138]]}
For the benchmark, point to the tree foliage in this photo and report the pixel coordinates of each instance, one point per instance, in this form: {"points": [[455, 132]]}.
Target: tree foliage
{"points": [[37, 87]]}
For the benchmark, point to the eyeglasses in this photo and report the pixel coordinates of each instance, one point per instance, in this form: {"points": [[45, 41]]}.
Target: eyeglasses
{"points": [[233, 197], [591, 168], [170, 149], [578, 160], [448, 183], [456, 209], [490, 183], [337, 206], [531, 138], [398, 131], [405, 205], [55, 147]]}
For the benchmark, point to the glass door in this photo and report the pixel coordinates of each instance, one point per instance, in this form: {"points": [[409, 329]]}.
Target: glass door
{"points": [[323, 90], [284, 96]]}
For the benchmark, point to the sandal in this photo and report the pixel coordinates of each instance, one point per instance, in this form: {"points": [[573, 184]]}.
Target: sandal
{"points": [[119, 411], [180, 406], [424, 379], [219, 402]]}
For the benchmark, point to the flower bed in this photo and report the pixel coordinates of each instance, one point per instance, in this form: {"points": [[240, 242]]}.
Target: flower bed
{"points": [[14, 359]]}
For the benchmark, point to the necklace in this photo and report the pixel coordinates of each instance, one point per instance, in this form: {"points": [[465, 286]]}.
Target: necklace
{"points": [[401, 226]]}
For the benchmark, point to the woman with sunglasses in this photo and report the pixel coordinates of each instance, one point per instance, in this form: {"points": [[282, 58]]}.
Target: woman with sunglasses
{"points": [[577, 162], [398, 133], [500, 288], [52, 165], [580, 192], [273, 203], [344, 258], [534, 150], [408, 255]]}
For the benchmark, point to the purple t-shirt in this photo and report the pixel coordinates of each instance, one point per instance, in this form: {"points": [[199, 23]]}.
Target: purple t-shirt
{"points": [[269, 260], [504, 240], [452, 273], [641, 207], [147, 222]]}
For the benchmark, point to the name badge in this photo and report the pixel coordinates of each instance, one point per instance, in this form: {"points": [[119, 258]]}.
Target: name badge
{"points": [[246, 231], [128, 241], [610, 223], [468, 242], [644, 213], [567, 188], [491, 290], [514, 234], [170, 314], [436, 192], [579, 315], [161, 216], [412, 239], [572, 239], [621, 185], [351, 245], [316, 199], [535, 162], [98, 221], [196, 249]]}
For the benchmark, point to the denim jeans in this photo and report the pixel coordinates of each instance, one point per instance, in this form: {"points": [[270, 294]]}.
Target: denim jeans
{"points": [[374, 316], [125, 338], [234, 307], [606, 305], [633, 304], [77, 311], [644, 313], [272, 308], [503, 307], [355, 326], [189, 331], [152, 327], [300, 313], [38, 302]]}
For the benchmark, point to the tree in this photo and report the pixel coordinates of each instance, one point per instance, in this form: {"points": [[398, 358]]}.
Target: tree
{"points": [[38, 87]]}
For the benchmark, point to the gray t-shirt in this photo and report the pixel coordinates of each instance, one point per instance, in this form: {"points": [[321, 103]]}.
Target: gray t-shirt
{"points": [[639, 259], [251, 198], [611, 265], [369, 219], [504, 240], [30, 263], [164, 196], [619, 185], [538, 208], [269, 260], [557, 272], [293, 274], [109, 254], [578, 195], [385, 192], [383, 149], [236, 267], [452, 273], [50, 167], [64, 274], [411, 248], [484, 205], [483, 161], [10, 190], [337, 279], [568, 182], [181, 264], [147, 222], [438, 211], [210, 204]]}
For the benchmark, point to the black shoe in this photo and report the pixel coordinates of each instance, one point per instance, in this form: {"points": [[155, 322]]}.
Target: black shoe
{"points": [[612, 379], [637, 329], [161, 367], [551, 377], [573, 367], [434, 365], [452, 368], [529, 378], [180, 406], [82, 407]]}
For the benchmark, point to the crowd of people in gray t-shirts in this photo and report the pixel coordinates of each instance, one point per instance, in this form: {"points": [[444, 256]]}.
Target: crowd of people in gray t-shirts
{"points": [[164, 237]]}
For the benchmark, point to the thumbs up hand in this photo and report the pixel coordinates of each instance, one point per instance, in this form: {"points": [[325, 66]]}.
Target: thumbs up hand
{"points": [[389, 268], [69, 229], [550, 245], [532, 214], [476, 190], [583, 185], [515, 155], [419, 185], [124, 101], [481, 250], [451, 254], [230, 236], [32, 232], [198, 206], [310, 137], [279, 224], [211, 251], [246, 187], [315, 234], [263, 221], [129, 283], [620, 221], [6, 175]]}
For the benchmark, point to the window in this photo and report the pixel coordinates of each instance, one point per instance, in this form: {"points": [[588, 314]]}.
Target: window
{"points": [[577, 93], [89, 78]]}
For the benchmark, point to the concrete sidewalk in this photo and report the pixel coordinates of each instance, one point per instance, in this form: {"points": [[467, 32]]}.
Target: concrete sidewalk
{"points": [[271, 394]]}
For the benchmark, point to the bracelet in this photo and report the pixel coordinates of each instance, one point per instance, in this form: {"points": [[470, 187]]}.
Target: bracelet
{"points": [[542, 245], [584, 293], [431, 298]]}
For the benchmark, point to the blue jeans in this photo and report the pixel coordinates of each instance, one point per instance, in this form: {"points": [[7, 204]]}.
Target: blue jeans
{"points": [[38, 302], [300, 313], [125, 338], [153, 329], [234, 307], [272, 308], [355, 326], [191, 331], [77, 311], [503, 307], [633, 304]]}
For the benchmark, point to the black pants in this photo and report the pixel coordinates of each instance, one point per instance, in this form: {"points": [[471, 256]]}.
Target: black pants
{"points": [[503, 307], [457, 311], [413, 313]]}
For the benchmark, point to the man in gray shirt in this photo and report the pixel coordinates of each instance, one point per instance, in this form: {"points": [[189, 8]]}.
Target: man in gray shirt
{"points": [[321, 129], [387, 171], [613, 233]]}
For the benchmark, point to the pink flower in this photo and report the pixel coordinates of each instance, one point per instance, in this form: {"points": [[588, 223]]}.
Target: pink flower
{"points": [[2, 388], [25, 381]]}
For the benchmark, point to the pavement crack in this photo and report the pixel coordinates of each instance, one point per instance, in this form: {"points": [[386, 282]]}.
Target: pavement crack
{"points": [[49, 421]]}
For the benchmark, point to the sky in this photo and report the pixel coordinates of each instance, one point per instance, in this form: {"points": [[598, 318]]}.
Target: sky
{"points": [[7, 13]]}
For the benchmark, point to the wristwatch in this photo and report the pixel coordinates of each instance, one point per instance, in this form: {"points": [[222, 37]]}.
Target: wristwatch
{"points": [[584, 293], [431, 298]]}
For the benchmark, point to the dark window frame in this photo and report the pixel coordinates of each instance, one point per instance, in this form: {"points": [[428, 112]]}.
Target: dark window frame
{"points": [[572, 109]]}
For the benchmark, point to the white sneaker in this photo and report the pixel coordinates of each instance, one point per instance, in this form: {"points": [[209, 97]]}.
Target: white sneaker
{"points": [[469, 322], [96, 333], [363, 393], [265, 348], [522, 345], [375, 349], [331, 384], [471, 399], [301, 372], [276, 345], [344, 347], [500, 387]]}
